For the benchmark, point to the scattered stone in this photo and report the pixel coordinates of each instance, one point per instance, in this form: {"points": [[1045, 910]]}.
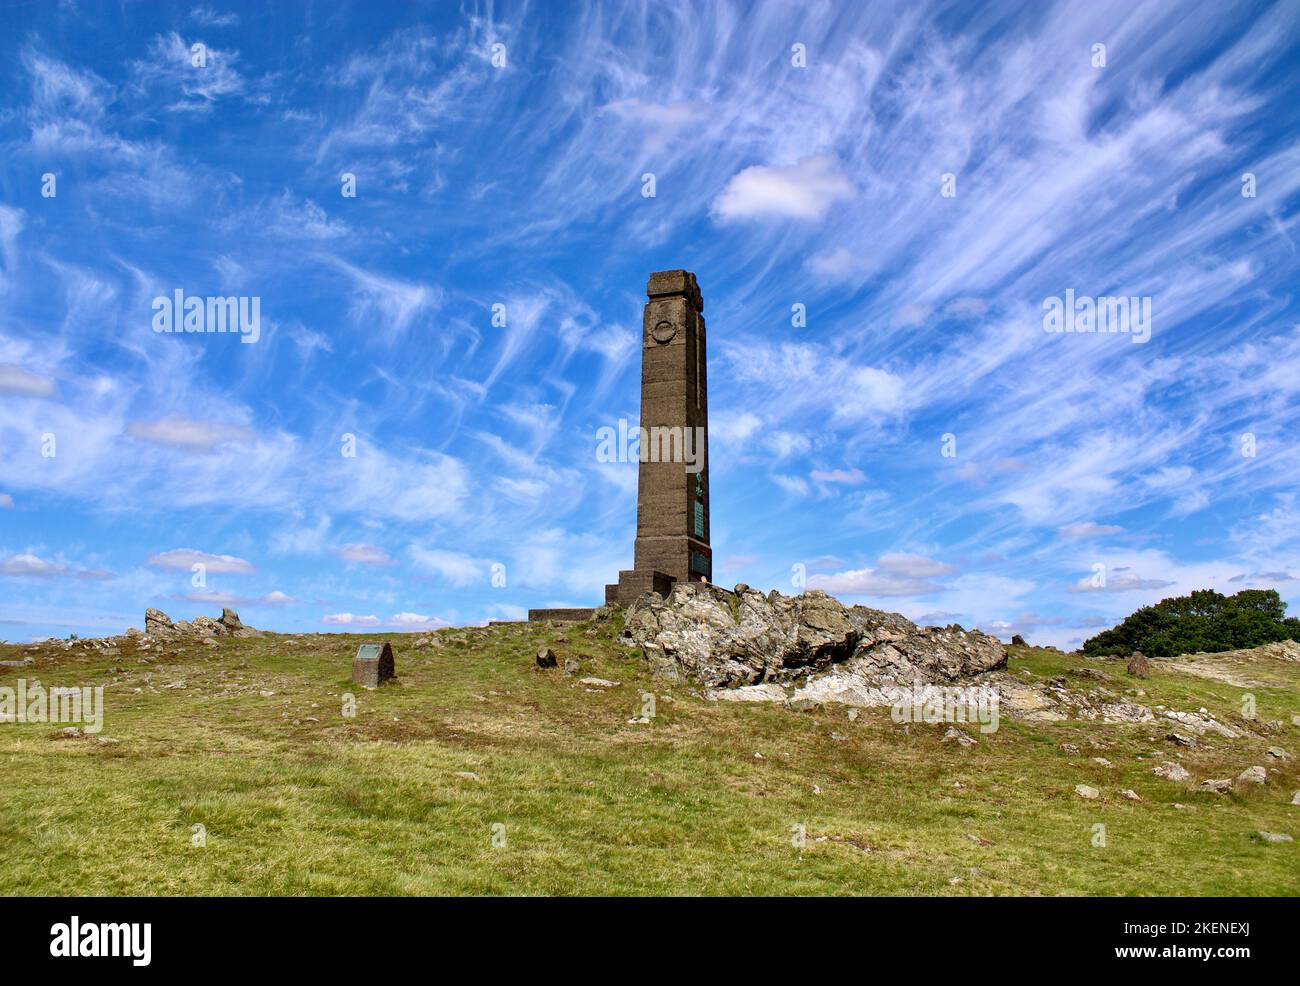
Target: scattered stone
{"points": [[749, 693], [1139, 666], [955, 735], [1171, 772], [1201, 723], [266, 693], [175, 684], [1129, 793], [1181, 740], [1103, 761], [977, 839], [1253, 775], [1276, 753], [1018, 641], [571, 666], [1070, 747], [598, 683], [1222, 787], [69, 732], [468, 775], [1084, 791], [1295, 798], [853, 715], [804, 704], [1275, 837], [546, 658]]}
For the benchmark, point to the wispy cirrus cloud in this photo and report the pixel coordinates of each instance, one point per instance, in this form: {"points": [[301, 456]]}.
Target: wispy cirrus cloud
{"points": [[919, 360], [186, 558]]}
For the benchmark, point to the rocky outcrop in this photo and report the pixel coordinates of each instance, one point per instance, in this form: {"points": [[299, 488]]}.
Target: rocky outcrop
{"points": [[729, 640], [159, 626]]}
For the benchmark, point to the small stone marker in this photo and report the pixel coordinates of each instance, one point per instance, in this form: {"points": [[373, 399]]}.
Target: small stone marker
{"points": [[545, 658], [1139, 666], [373, 665]]}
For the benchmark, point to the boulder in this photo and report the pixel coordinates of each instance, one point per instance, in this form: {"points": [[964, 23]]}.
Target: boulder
{"points": [[1139, 666], [158, 624], [1171, 772], [1018, 641], [729, 640], [234, 626], [1253, 775], [546, 658]]}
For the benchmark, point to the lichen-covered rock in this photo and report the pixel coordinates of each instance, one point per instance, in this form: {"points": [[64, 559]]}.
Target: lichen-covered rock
{"points": [[159, 626], [728, 640], [157, 623]]}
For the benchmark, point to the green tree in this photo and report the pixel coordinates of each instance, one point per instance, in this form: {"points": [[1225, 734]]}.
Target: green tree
{"points": [[1204, 620]]}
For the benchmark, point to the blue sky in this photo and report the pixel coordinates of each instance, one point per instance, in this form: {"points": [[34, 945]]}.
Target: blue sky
{"points": [[1091, 474]]}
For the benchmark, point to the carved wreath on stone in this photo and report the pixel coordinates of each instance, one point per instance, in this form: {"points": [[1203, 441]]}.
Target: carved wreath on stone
{"points": [[664, 332]]}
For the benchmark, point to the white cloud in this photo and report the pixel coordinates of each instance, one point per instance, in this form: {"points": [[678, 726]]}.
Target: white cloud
{"points": [[1120, 582], [802, 191], [275, 598], [895, 574], [732, 426], [364, 554], [846, 477], [794, 485], [18, 382], [186, 558], [1088, 529], [784, 444], [208, 16], [414, 621], [387, 306], [198, 436], [456, 568], [349, 619], [916, 566], [28, 565]]}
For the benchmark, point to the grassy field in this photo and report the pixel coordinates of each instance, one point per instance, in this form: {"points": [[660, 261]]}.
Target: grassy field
{"points": [[472, 745]]}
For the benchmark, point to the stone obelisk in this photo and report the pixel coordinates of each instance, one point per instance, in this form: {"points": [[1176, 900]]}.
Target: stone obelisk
{"points": [[672, 514]]}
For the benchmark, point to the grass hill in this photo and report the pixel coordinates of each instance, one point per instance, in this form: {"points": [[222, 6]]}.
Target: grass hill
{"points": [[472, 743]]}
